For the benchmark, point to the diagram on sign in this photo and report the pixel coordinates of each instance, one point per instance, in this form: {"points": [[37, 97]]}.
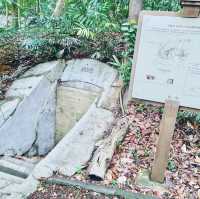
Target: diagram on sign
{"points": [[169, 58], [174, 50]]}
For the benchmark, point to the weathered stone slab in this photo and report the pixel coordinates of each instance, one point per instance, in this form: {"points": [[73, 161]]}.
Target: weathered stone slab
{"points": [[19, 132], [89, 71], [47, 124], [72, 103], [52, 70], [83, 86], [16, 167], [143, 180], [7, 180], [31, 129], [111, 96], [23, 87], [7, 108], [76, 148]]}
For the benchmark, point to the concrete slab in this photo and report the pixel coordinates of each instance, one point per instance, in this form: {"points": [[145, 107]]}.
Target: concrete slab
{"points": [[7, 180], [144, 181], [16, 167], [72, 104]]}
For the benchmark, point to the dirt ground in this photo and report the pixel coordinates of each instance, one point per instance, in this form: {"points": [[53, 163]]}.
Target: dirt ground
{"points": [[63, 192], [136, 153]]}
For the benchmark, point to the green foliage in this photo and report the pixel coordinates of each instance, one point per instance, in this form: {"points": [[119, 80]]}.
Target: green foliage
{"points": [[124, 61], [187, 116], [88, 28], [124, 65], [163, 5], [79, 169], [171, 166], [114, 183]]}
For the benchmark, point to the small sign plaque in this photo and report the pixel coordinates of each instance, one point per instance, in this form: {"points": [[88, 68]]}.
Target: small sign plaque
{"points": [[167, 59]]}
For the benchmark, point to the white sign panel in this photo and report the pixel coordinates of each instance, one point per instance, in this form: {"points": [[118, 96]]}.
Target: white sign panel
{"points": [[168, 60]]}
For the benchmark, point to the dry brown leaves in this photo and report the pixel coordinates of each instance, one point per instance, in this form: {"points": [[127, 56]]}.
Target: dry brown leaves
{"points": [[137, 153]]}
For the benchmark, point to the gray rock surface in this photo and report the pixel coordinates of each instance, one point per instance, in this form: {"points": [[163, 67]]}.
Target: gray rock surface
{"points": [[13, 172], [89, 71], [82, 82], [7, 180], [52, 70], [7, 108], [47, 124], [23, 87], [75, 149], [19, 132], [31, 129], [17, 167]]}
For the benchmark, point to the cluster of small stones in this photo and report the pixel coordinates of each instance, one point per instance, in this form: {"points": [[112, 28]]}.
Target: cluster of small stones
{"points": [[27, 115]]}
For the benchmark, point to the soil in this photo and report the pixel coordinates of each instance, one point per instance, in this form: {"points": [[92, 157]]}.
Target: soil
{"points": [[136, 153], [64, 192]]}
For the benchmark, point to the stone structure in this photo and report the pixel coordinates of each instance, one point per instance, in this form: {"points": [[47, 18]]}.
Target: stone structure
{"points": [[27, 116], [81, 83], [78, 117]]}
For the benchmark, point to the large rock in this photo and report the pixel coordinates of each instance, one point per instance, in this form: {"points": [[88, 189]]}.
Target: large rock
{"points": [[30, 125], [89, 71], [19, 132], [82, 81], [7, 108], [23, 87], [46, 124]]}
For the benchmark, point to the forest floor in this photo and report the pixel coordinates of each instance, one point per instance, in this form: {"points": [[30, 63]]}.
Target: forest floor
{"points": [[136, 153], [65, 192]]}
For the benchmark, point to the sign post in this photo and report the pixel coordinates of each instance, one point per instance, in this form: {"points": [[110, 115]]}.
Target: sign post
{"points": [[163, 147], [191, 8], [166, 69]]}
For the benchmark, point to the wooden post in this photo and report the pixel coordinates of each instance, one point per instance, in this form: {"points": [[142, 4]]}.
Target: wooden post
{"points": [[163, 147], [191, 8], [135, 6]]}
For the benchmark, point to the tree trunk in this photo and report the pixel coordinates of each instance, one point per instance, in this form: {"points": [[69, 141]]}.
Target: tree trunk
{"points": [[15, 20], [104, 153], [59, 8], [135, 6], [37, 8]]}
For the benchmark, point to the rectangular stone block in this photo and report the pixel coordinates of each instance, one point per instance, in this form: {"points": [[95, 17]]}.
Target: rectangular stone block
{"points": [[72, 103]]}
